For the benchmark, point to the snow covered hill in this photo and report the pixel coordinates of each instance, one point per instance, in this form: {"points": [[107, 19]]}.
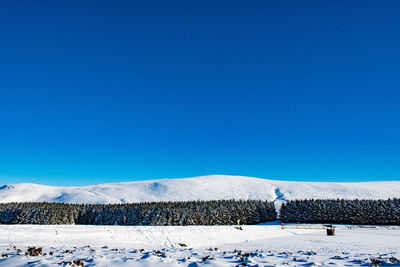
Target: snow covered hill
{"points": [[210, 187]]}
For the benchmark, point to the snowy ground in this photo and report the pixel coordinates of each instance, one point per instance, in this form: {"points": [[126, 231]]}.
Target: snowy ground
{"points": [[262, 245]]}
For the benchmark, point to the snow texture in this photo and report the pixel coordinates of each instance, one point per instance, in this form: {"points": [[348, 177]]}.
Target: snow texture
{"points": [[259, 245], [212, 187]]}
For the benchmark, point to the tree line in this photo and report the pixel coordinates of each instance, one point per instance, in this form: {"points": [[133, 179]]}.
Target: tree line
{"points": [[380, 212], [216, 212]]}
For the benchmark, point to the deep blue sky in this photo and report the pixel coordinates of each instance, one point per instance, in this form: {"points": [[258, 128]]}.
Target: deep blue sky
{"points": [[107, 91]]}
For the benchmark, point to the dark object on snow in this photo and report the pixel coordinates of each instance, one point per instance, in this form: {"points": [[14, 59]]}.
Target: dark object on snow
{"points": [[78, 263], [33, 251], [330, 231], [375, 262], [160, 254], [182, 244], [4, 255], [393, 260], [208, 257], [238, 227]]}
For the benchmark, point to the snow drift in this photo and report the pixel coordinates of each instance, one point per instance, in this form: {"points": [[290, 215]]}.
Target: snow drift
{"points": [[212, 187]]}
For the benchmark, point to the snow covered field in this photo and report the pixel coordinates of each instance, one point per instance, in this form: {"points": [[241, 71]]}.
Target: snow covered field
{"points": [[263, 245]]}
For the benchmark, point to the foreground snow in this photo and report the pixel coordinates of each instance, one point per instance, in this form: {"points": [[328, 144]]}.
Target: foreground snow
{"points": [[211, 187], [265, 245]]}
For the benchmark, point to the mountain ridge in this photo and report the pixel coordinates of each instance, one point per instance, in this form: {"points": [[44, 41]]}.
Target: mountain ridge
{"points": [[211, 187]]}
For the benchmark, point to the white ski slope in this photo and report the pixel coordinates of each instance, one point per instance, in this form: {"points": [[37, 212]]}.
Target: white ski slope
{"points": [[210, 187]]}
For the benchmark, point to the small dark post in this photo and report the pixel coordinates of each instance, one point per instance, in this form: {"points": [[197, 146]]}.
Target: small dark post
{"points": [[330, 229]]}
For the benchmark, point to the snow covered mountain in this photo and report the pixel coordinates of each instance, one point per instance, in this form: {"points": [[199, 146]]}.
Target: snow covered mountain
{"points": [[210, 187]]}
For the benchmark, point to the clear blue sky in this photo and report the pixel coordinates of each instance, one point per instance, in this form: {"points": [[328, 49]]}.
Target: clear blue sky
{"points": [[107, 91]]}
